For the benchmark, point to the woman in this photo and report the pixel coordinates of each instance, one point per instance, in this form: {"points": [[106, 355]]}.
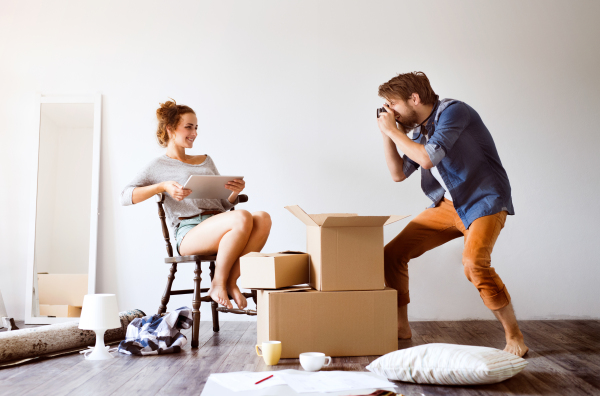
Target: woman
{"points": [[202, 226]]}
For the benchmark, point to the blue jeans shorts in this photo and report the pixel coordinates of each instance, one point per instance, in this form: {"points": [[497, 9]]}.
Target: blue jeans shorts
{"points": [[186, 225]]}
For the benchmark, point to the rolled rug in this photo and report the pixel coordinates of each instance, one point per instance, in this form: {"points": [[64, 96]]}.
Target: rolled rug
{"points": [[19, 346]]}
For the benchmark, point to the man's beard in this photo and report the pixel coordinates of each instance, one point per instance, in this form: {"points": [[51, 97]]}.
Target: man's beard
{"points": [[410, 121]]}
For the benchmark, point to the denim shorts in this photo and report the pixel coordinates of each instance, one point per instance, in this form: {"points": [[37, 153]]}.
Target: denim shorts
{"points": [[186, 225]]}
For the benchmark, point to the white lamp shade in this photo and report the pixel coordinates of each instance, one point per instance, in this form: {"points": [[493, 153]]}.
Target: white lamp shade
{"points": [[99, 311]]}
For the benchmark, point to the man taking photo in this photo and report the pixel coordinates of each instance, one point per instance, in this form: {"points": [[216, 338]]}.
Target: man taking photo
{"points": [[462, 174]]}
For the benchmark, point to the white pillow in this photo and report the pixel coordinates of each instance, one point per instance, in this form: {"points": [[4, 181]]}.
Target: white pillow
{"points": [[448, 364]]}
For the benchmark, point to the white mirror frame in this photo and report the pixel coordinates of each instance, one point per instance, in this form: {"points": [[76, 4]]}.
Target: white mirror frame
{"points": [[96, 100]]}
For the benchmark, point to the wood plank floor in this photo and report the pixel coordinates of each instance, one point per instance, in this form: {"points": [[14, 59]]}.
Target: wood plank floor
{"points": [[564, 359]]}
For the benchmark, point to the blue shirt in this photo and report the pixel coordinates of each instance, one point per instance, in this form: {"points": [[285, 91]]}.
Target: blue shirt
{"points": [[462, 149]]}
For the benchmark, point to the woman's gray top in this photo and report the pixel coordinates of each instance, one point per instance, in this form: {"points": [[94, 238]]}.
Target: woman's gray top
{"points": [[164, 169]]}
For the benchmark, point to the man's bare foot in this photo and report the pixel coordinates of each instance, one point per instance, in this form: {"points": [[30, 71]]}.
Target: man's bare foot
{"points": [[237, 295], [515, 343], [516, 346], [404, 332], [219, 294]]}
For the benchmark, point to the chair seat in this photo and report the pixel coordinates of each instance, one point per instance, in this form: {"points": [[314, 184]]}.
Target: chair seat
{"points": [[187, 259]]}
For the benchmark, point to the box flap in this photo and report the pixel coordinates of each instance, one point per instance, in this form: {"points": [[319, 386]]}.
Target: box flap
{"points": [[289, 289], [322, 217], [255, 254], [395, 218], [301, 215], [355, 221], [279, 254]]}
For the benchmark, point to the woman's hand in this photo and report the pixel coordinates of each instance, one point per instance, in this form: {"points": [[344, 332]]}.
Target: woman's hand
{"points": [[236, 186], [175, 190]]}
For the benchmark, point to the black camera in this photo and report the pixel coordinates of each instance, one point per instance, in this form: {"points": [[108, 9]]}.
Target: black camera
{"points": [[381, 110]]}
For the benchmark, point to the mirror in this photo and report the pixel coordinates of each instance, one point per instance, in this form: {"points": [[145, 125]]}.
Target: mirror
{"points": [[64, 220]]}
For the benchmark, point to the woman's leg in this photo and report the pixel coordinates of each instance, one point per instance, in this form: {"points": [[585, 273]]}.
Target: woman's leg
{"points": [[261, 227], [226, 234]]}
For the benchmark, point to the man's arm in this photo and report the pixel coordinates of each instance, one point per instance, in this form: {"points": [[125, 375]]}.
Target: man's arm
{"points": [[394, 162], [413, 150]]}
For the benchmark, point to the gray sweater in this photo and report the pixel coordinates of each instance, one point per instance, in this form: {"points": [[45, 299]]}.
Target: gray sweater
{"points": [[164, 169]]}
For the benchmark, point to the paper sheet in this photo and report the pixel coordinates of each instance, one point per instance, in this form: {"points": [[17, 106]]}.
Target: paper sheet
{"points": [[246, 380], [301, 381], [333, 381]]}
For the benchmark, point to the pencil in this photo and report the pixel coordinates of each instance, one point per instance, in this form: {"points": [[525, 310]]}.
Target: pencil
{"points": [[264, 379]]}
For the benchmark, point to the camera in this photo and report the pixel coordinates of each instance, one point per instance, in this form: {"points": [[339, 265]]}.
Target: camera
{"points": [[381, 110]]}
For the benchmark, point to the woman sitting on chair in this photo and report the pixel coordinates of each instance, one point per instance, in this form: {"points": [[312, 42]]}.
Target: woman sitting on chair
{"points": [[202, 226]]}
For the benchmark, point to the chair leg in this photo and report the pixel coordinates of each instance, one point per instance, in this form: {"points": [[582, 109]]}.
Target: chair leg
{"points": [[196, 306], [215, 316], [254, 297], [162, 308], [214, 305]]}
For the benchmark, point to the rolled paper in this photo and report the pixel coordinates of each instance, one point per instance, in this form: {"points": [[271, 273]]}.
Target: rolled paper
{"points": [[42, 340]]}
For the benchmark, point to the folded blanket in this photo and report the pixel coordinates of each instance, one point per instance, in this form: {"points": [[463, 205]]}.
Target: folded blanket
{"points": [[156, 335]]}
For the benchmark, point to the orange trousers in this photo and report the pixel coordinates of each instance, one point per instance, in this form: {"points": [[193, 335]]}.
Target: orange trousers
{"points": [[436, 226]]}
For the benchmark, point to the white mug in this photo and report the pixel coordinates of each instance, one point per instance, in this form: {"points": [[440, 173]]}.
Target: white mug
{"points": [[313, 361]]}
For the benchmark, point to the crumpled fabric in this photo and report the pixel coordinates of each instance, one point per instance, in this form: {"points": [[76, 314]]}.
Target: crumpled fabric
{"points": [[157, 335]]}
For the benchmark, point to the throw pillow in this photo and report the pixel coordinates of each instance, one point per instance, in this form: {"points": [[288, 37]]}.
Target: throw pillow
{"points": [[448, 364]]}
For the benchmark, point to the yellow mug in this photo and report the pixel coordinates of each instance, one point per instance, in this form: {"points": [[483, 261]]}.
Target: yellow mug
{"points": [[271, 352]]}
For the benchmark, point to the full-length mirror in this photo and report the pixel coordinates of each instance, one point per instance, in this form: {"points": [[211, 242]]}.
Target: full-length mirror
{"points": [[64, 220]]}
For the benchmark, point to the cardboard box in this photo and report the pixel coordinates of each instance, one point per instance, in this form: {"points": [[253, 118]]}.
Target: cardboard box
{"points": [[60, 311], [273, 270], [62, 289], [347, 323], [346, 250]]}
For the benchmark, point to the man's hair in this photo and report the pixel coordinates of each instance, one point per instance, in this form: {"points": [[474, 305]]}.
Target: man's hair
{"points": [[404, 85]]}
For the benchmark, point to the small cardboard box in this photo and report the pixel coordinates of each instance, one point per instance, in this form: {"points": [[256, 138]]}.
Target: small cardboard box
{"points": [[273, 270], [62, 289], [60, 311], [349, 323], [346, 250]]}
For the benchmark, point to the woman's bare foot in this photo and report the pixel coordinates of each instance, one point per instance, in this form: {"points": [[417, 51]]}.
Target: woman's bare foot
{"points": [[219, 294], [237, 295], [516, 346]]}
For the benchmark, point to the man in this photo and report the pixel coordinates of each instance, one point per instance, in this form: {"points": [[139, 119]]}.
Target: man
{"points": [[462, 174]]}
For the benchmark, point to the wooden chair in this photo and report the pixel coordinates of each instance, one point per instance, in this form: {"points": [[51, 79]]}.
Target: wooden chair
{"points": [[196, 291]]}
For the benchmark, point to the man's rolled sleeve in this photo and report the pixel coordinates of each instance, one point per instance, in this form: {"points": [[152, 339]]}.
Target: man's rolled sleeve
{"points": [[409, 166], [435, 153]]}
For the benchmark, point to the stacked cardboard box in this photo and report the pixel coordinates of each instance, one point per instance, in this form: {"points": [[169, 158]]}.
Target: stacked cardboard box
{"points": [[346, 310], [61, 295]]}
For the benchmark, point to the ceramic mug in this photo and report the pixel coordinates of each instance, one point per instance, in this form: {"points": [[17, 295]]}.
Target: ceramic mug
{"points": [[314, 361], [270, 352]]}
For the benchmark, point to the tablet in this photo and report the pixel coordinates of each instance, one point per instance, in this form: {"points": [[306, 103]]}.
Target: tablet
{"points": [[209, 186]]}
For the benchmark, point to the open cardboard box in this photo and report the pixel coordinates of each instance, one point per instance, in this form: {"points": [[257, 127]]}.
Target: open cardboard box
{"points": [[273, 270], [346, 250], [343, 323]]}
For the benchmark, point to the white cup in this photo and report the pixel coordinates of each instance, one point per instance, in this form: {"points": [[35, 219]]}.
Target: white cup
{"points": [[313, 361]]}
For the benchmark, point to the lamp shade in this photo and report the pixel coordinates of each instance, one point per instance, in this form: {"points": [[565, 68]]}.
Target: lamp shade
{"points": [[99, 311]]}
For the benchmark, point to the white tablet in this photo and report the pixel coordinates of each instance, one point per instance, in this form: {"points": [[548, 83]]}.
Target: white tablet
{"points": [[209, 186]]}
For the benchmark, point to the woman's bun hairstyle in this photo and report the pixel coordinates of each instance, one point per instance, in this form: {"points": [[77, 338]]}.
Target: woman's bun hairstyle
{"points": [[169, 115]]}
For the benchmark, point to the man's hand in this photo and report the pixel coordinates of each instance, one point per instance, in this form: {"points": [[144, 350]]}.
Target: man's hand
{"points": [[387, 121]]}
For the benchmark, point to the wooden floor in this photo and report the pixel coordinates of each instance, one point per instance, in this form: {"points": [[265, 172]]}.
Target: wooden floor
{"points": [[564, 359]]}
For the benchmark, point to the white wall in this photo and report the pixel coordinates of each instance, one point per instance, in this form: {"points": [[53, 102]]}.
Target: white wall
{"points": [[286, 93]]}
